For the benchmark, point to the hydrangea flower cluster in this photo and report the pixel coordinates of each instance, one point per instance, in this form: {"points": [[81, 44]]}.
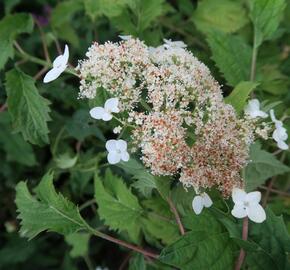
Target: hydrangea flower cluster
{"points": [[177, 117], [175, 108]]}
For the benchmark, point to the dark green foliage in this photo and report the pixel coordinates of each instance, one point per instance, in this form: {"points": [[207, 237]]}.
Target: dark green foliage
{"points": [[45, 128]]}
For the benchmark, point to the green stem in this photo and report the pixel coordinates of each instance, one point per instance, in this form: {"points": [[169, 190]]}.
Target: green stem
{"points": [[57, 139], [254, 60], [86, 204], [26, 56], [88, 262]]}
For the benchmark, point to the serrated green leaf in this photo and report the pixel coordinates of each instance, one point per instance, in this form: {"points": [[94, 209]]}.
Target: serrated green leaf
{"points": [[16, 148], [10, 27], [238, 97], [266, 16], [145, 181], [139, 17], [273, 244], [79, 243], [200, 250], [223, 15], [234, 66], [48, 211], [113, 8], [118, 207], [147, 11], [28, 109], [263, 165]]}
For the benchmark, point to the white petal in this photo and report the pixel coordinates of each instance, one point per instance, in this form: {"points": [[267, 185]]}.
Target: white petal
{"points": [[111, 145], [112, 105], [61, 60], [107, 116], [254, 104], [197, 204], [239, 211], [121, 145], [253, 197], [125, 37], [261, 114], [51, 75], [113, 157], [207, 202], [125, 156], [238, 195], [65, 54], [97, 112], [280, 134], [282, 145], [256, 213], [272, 115]]}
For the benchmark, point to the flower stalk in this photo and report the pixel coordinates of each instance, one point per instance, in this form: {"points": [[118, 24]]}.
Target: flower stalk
{"points": [[242, 255]]}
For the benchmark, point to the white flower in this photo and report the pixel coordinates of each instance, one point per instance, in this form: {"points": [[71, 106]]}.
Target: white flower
{"points": [[174, 44], [117, 151], [247, 204], [111, 105], [125, 37], [280, 133], [117, 130], [200, 201], [253, 109], [59, 65]]}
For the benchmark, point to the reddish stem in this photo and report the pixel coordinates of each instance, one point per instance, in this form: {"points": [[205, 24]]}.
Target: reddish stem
{"points": [[177, 217], [127, 245], [3, 107], [273, 190], [242, 255]]}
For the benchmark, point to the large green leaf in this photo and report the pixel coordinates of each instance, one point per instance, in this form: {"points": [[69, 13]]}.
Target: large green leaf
{"points": [[262, 166], [234, 66], [16, 148], [113, 8], [48, 211], [28, 109], [118, 207], [200, 250], [10, 27], [146, 12], [273, 244], [240, 94], [223, 15], [266, 16], [160, 222], [205, 221]]}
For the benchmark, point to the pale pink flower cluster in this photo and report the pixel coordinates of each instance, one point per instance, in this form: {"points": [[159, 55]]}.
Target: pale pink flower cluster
{"points": [[171, 99]]}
